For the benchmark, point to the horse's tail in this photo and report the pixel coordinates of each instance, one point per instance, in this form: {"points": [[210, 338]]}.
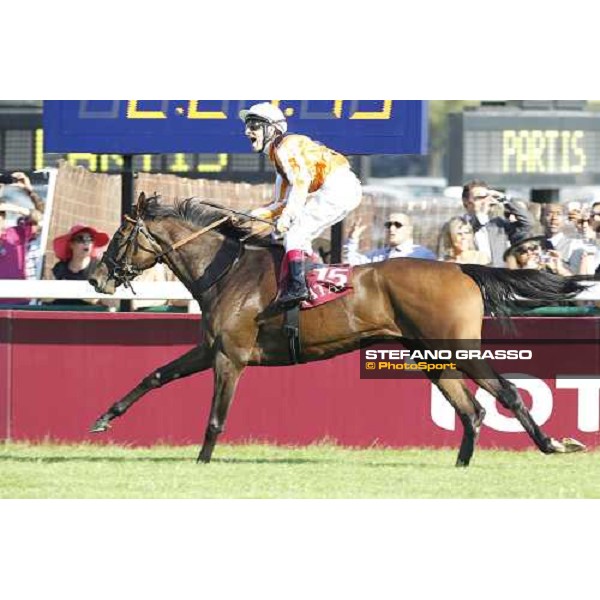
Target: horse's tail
{"points": [[501, 288]]}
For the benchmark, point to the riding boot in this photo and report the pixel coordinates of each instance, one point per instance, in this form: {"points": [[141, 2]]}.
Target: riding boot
{"points": [[296, 290]]}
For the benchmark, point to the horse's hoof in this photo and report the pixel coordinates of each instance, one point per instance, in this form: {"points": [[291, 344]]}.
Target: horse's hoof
{"points": [[566, 445], [204, 457], [100, 425], [573, 445]]}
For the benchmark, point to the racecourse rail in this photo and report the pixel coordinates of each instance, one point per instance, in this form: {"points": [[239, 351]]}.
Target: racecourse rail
{"points": [[61, 290], [149, 290]]}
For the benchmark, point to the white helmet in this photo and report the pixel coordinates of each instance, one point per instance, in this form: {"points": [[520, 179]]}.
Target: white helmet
{"points": [[267, 112]]}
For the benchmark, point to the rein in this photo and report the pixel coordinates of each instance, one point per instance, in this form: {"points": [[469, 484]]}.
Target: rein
{"points": [[126, 272], [180, 243]]}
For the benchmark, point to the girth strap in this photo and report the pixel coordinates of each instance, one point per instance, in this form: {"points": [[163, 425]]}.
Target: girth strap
{"points": [[291, 327]]}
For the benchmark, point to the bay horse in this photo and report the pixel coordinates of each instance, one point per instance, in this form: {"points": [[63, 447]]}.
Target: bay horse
{"points": [[234, 278]]}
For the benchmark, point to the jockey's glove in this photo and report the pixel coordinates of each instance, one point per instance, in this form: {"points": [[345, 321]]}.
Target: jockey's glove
{"points": [[284, 222], [262, 213]]}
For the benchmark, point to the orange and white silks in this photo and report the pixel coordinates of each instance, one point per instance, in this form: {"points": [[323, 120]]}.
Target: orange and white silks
{"points": [[314, 185], [301, 162]]}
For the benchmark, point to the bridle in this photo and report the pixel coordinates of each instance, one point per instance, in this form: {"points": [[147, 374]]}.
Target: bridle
{"points": [[125, 272]]}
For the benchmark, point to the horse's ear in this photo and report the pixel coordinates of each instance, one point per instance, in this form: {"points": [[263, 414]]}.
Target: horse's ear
{"points": [[141, 205]]}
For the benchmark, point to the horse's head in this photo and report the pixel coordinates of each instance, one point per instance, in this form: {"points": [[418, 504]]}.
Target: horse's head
{"points": [[131, 250]]}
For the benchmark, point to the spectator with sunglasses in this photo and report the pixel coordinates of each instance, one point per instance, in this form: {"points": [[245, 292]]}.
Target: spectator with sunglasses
{"points": [[493, 235], [532, 253], [77, 252], [398, 242]]}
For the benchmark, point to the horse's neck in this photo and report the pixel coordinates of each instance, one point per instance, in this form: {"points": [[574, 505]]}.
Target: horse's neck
{"points": [[191, 259], [240, 272], [202, 262]]}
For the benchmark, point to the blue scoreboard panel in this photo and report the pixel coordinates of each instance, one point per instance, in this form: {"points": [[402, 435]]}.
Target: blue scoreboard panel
{"points": [[205, 126]]}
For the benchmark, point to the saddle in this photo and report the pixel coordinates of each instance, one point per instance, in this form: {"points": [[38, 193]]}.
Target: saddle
{"points": [[325, 283]]}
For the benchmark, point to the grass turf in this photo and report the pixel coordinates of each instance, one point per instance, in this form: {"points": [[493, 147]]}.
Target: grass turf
{"points": [[262, 471]]}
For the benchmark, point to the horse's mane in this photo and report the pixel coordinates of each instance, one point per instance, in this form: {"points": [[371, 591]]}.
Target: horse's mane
{"points": [[202, 213]]}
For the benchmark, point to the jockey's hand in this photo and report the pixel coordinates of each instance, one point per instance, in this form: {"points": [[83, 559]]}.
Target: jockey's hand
{"points": [[284, 222], [262, 213]]}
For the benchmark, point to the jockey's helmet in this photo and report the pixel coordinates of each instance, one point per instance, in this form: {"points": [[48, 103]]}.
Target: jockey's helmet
{"points": [[266, 112]]}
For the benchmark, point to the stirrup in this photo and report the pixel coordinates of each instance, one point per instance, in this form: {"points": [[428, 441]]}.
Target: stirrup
{"points": [[286, 299]]}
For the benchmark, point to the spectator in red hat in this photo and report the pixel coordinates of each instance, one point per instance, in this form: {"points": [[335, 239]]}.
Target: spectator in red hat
{"points": [[77, 252]]}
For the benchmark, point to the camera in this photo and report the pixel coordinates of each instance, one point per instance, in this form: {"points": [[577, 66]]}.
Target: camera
{"points": [[498, 196], [7, 179]]}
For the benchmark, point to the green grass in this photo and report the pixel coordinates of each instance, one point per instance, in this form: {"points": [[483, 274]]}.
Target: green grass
{"points": [[261, 471]]}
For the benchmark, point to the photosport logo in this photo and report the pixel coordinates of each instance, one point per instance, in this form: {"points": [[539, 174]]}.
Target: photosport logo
{"points": [[477, 359]]}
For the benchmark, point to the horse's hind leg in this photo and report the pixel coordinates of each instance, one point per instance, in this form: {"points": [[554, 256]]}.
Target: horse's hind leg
{"points": [[508, 395], [227, 375], [470, 412], [196, 360]]}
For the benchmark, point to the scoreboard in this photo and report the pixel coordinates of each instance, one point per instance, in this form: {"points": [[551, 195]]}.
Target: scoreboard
{"points": [[196, 138], [535, 148], [213, 126]]}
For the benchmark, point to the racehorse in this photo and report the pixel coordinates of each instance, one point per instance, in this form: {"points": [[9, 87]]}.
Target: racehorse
{"points": [[234, 276]]}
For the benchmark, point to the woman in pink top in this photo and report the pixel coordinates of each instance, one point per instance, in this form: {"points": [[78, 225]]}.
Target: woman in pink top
{"points": [[14, 240], [13, 246]]}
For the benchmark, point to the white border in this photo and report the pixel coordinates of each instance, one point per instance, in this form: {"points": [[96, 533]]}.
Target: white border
{"points": [[339, 549], [298, 549], [428, 49]]}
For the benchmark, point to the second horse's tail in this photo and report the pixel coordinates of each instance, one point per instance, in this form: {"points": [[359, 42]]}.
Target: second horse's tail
{"points": [[501, 288]]}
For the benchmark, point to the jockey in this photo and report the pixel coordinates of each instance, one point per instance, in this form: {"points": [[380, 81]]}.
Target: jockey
{"points": [[314, 189]]}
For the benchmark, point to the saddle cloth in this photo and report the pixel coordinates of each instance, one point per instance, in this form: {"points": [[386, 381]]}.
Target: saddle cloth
{"points": [[326, 283]]}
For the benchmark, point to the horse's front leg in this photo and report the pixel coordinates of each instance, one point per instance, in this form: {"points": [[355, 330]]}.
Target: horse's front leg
{"points": [[196, 360], [227, 375]]}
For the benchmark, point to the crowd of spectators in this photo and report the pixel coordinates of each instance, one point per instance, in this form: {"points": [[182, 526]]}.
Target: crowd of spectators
{"points": [[492, 230], [499, 231], [76, 251]]}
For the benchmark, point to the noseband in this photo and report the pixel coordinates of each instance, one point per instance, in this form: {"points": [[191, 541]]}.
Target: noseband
{"points": [[124, 273]]}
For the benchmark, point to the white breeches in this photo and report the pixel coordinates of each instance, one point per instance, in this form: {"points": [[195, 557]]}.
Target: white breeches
{"points": [[340, 194]]}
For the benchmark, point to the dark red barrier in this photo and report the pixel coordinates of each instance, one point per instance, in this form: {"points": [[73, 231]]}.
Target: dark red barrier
{"points": [[60, 371], [5, 377]]}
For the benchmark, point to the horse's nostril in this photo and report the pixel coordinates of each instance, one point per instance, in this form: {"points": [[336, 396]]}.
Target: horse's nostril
{"points": [[93, 282]]}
